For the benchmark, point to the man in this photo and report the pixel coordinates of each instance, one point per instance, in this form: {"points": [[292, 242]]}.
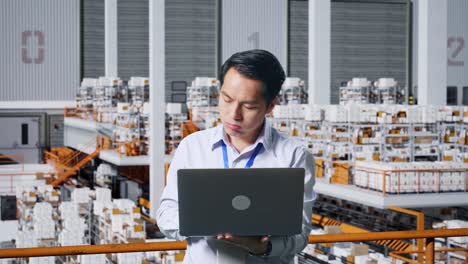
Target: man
{"points": [[250, 83]]}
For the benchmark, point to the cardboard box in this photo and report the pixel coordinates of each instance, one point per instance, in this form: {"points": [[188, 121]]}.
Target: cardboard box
{"points": [[319, 168], [332, 230], [341, 173], [359, 249]]}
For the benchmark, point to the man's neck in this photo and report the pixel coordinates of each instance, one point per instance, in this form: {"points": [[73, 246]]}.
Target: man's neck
{"points": [[240, 143]]}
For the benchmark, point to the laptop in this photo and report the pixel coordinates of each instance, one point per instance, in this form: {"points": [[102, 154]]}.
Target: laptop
{"points": [[242, 202]]}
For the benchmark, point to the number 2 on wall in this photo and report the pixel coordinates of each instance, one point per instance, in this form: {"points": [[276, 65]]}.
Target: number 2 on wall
{"points": [[455, 47], [26, 36]]}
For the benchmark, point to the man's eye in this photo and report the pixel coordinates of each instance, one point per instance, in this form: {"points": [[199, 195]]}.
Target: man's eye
{"points": [[227, 100], [250, 107]]}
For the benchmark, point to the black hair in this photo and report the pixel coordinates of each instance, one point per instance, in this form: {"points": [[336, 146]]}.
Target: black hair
{"points": [[259, 65]]}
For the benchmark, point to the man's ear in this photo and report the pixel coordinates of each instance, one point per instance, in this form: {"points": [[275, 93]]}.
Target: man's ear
{"points": [[272, 104]]}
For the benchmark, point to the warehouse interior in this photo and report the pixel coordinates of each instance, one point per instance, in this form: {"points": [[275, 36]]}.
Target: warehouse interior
{"points": [[98, 94]]}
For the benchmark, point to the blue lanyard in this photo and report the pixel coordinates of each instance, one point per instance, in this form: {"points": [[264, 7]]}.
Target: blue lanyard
{"points": [[249, 163]]}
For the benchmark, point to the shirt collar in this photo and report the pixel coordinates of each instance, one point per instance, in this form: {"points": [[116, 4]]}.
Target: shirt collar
{"points": [[265, 136]]}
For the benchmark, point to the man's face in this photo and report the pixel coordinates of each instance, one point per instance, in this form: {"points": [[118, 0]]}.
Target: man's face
{"points": [[242, 105]]}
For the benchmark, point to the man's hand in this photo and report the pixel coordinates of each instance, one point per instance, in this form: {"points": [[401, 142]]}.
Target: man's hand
{"points": [[256, 245]]}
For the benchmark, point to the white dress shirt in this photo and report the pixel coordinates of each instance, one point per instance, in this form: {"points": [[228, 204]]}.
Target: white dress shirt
{"points": [[203, 150]]}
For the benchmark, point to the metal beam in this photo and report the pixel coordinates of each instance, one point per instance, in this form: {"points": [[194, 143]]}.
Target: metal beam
{"points": [[110, 38], [157, 101], [419, 226], [432, 52], [429, 250], [319, 51]]}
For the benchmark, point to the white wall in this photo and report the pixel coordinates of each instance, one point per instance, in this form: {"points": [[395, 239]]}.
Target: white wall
{"points": [[457, 51], [457, 44], [8, 230], [39, 50], [255, 24]]}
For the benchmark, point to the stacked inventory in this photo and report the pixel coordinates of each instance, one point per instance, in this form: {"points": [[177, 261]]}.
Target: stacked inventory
{"points": [[121, 110], [37, 208], [27, 199], [74, 226], [390, 133], [411, 177], [104, 174], [396, 145], [453, 257], [366, 141], [339, 253], [306, 124], [449, 129], [357, 91], [117, 221], [312, 133], [202, 102], [463, 136], [84, 98], [107, 93], [388, 91], [203, 92], [138, 92], [79, 225], [426, 142], [288, 118], [91, 259], [339, 146], [175, 119], [50, 223], [366, 133], [127, 130], [293, 92], [361, 91], [145, 129], [43, 224]]}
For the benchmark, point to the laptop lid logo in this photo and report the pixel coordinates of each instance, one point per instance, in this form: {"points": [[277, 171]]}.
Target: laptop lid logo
{"points": [[241, 202]]}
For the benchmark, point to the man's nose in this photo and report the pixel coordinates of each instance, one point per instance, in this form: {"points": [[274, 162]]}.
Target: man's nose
{"points": [[237, 112]]}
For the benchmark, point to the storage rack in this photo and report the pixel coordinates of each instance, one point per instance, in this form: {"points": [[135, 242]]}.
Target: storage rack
{"points": [[203, 92], [360, 95], [84, 98], [144, 130], [107, 93], [389, 92], [314, 137], [175, 119], [366, 139], [380, 133], [425, 142], [138, 92], [293, 91], [396, 143], [127, 130], [361, 91]]}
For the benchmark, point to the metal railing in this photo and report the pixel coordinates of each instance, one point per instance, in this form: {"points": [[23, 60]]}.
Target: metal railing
{"points": [[428, 235], [419, 225]]}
